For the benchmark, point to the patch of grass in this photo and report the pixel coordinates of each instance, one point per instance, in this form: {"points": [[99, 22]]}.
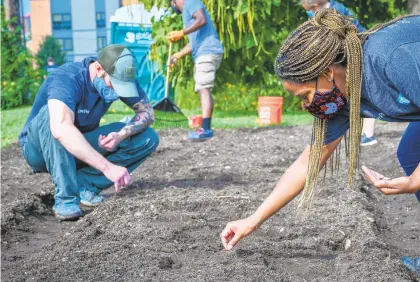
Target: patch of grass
{"points": [[12, 121]]}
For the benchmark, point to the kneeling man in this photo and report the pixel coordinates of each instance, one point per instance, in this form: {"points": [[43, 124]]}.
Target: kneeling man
{"points": [[62, 134]]}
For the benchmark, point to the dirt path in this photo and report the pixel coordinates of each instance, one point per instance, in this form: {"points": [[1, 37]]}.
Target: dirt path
{"points": [[166, 226]]}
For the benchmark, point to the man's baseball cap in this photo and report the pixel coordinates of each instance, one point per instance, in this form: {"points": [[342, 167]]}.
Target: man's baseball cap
{"points": [[119, 62]]}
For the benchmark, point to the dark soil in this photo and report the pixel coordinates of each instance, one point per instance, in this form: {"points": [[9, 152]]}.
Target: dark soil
{"points": [[166, 226]]}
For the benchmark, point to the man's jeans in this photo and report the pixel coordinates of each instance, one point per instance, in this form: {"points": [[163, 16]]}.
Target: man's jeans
{"points": [[44, 153]]}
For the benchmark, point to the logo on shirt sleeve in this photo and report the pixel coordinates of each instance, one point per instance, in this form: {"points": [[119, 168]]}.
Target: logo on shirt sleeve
{"points": [[83, 111], [402, 100]]}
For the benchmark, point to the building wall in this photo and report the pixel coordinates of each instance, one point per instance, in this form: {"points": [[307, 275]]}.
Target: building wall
{"points": [[60, 6], [102, 31], [129, 2], [83, 32], [84, 29], [40, 23], [110, 7]]}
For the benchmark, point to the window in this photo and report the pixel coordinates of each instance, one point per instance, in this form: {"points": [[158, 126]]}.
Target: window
{"points": [[100, 19], [61, 21], [101, 42], [66, 44]]}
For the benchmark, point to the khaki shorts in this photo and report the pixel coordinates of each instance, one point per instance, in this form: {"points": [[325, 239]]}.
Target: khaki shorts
{"points": [[205, 68]]}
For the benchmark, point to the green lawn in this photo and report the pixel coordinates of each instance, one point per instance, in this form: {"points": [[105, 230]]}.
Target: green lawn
{"points": [[12, 121]]}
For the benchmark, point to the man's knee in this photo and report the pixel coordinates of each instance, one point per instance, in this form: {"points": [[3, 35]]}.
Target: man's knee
{"points": [[154, 138], [151, 137]]}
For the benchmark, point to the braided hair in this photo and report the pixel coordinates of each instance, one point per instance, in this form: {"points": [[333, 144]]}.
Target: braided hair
{"points": [[327, 38]]}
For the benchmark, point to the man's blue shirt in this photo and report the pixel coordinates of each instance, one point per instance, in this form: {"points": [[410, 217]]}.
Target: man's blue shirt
{"points": [[205, 40], [71, 84]]}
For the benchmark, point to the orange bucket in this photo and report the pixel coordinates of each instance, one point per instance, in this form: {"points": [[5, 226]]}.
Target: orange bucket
{"points": [[195, 121], [269, 110]]}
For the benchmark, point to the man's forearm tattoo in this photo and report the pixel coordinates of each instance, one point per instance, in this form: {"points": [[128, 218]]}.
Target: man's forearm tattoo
{"points": [[143, 118]]}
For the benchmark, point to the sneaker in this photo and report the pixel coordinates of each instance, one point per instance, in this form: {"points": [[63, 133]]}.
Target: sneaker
{"points": [[366, 141], [67, 211], [200, 135], [412, 264], [90, 199]]}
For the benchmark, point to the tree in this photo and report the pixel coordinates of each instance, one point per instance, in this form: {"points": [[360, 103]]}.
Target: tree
{"points": [[414, 6], [12, 11], [50, 47], [20, 80]]}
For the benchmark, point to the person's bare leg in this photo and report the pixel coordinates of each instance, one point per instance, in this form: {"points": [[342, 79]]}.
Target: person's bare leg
{"points": [[206, 102], [369, 127]]}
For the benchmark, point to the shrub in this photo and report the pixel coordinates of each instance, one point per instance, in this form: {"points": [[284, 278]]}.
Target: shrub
{"points": [[20, 81]]}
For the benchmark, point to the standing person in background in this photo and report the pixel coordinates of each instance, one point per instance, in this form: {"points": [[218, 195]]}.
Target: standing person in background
{"points": [[207, 52], [50, 67], [312, 6]]}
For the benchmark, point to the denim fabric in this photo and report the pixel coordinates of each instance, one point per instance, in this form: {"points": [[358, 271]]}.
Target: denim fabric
{"points": [[71, 85], [409, 150], [391, 77], [44, 153], [205, 40]]}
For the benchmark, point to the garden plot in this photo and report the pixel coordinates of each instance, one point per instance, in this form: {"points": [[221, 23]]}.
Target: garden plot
{"points": [[166, 226]]}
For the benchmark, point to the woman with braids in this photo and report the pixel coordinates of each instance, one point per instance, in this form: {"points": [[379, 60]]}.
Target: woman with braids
{"points": [[312, 6], [343, 76]]}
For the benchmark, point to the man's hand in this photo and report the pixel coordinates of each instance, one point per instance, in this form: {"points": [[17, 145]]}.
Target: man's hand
{"points": [[236, 230], [119, 175], [400, 185], [174, 59], [176, 35], [109, 142]]}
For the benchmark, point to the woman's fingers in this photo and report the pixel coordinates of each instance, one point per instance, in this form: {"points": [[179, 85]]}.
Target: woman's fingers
{"points": [[233, 241], [371, 177], [374, 176], [226, 236], [386, 185]]}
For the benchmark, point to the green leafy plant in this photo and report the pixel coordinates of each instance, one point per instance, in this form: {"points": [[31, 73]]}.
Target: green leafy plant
{"points": [[20, 80], [252, 32]]}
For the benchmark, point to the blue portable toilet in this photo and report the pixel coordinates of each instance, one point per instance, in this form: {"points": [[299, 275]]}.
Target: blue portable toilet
{"points": [[132, 26]]}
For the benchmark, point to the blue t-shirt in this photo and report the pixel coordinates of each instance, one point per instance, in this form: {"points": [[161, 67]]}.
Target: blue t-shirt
{"points": [[391, 77], [71, 84], [205, 40], [49, 69]]}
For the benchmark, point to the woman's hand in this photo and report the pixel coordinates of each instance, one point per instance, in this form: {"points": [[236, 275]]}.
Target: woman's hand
{"points": [[400, 185], [236, 230]]}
